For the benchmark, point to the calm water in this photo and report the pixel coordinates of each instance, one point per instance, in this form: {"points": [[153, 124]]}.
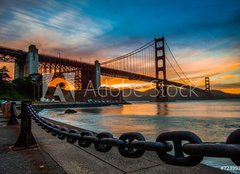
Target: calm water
{"points": [[210, 120]]}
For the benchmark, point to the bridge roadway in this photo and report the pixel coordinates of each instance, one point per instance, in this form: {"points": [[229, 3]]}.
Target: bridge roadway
{"points": [[20, 55]]}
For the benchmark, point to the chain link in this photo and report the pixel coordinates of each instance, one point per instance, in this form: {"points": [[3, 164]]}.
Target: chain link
{"points": [[177, 138], [100, 146], [234, 138], [188, 149]]}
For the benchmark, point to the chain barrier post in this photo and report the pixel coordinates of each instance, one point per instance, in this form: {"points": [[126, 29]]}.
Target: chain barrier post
{"points": [[13, 117], [25, 138]]}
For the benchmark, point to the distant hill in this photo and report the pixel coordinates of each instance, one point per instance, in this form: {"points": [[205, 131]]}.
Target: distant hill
{"points": [[184, 94], [221, 94]]}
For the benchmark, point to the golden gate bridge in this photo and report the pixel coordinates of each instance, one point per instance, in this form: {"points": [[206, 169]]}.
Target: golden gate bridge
{"points": [[148, 63]]}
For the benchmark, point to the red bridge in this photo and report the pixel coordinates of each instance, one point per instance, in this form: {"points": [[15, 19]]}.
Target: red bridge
{"points": [[147, 63]]}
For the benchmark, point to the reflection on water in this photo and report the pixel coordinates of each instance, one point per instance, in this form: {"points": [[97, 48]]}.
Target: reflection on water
{"points": [[162, 109], [210, 120]]}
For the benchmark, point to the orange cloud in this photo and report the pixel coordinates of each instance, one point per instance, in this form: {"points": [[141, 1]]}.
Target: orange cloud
{"points": [[231, 90], [229, 76]]}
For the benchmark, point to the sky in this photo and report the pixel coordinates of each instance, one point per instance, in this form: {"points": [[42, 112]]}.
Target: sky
{"points": [[203, 35]]}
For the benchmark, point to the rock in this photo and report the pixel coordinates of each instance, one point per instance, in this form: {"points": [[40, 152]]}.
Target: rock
{"points": [[70, 111]]}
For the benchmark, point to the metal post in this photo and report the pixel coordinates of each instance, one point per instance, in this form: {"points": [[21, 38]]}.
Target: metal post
{"points": [[13, 117], [25, 138]]}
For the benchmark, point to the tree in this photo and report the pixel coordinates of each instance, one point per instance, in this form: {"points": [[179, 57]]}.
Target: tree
{"points": [[24, 87], [4, 74]]}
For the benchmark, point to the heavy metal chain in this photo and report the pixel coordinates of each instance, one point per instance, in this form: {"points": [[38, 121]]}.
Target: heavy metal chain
{"points": [[133, 144]]}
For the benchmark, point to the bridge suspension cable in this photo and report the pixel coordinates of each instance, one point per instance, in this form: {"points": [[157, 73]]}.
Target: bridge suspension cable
{"points": [[129, 54], [172, 55], [140, 61], [175, 71]]}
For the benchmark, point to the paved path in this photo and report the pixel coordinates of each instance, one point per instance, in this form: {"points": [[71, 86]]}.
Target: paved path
{"points": [[57, 156], [26, 161]]}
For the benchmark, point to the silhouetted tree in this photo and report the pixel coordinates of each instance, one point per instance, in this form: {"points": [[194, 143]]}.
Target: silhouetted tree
{"points": [[4, 73], [24, 87]]}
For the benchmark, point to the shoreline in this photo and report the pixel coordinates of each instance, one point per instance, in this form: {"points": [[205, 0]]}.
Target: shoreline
{"points": [[58, 156], [95, 133], [52, 105]]}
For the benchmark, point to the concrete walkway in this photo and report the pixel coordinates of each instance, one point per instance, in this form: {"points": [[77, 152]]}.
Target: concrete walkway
{"points": [[26, 161], [57, 156]]}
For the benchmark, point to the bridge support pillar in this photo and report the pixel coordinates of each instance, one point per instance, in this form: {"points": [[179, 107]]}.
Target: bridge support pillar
{"points": [[160, 64], [91, 75], [18, 69], [97, 74], [31, 65], [28, 66]]}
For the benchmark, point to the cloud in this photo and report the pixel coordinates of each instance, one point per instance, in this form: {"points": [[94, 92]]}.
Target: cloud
{"points": [[229, 76], [69, 32], [230, 85], [199, 63]]}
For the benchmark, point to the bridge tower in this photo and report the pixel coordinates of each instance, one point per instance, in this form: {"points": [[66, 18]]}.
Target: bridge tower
{"points": [[207, 84], [91, 75], [23, 68], [18, 69], [31, 65], [97, 74], [160, 65]]}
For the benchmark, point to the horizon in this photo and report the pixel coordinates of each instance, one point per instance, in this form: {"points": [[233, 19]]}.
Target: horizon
{"points": [[204, 42]]}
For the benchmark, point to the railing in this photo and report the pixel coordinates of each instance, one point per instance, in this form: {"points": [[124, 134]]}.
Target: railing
{"points": [[188, 149]]}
